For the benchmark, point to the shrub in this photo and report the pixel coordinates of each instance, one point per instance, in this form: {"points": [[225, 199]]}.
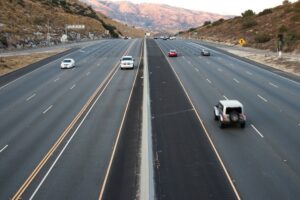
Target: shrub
{"points": [[3, 40], [296, 18], [262, 38], [285, 2], [206, 23], [191, 29], [265, 12], [291, 38], [248, 13], [249, 24], [296, 7], [218, 22], [282, 29]]}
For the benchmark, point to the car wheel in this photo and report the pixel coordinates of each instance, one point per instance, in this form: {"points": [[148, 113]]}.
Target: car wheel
{"points": [[216, 117], [243, 125], [222, 125]]}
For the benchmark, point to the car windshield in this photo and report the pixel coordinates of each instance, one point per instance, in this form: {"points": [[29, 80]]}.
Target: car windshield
{"points": [[67, 61]]}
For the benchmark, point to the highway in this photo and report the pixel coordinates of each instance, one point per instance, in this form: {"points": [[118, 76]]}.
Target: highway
{"points": [[76, 133], [58, 127], [262, 159]]}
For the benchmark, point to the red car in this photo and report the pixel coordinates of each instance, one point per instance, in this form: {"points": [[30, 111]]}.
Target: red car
{"points": [[172, 53]]}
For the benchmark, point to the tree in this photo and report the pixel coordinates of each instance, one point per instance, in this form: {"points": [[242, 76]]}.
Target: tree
{"points": [[285, 2], [248, 13]]}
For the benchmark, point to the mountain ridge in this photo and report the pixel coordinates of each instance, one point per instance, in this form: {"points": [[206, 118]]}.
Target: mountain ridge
{"points": [[153, 16]]}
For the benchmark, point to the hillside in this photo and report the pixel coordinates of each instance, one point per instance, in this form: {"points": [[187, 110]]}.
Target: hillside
{"points": [[260, 30], [155, 17], [26, 23]]}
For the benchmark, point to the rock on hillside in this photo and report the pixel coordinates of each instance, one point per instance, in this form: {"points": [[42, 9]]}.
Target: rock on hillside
{"points": [[29, 23]]}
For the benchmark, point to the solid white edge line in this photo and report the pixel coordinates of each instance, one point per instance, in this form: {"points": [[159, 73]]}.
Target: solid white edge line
{"points": [[74, 133], [262, 98], [196, 69], [225, 97], [259, 133], [3, 148], [56, 79], [45, 111], [29, 98], [207, 135], [146, 168]]}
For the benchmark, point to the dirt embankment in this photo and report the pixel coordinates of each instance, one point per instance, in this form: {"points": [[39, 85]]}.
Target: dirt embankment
{"points": [[11, 63]]}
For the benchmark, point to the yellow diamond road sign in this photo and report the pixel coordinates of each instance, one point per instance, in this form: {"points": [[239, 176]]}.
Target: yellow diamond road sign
{"points": [[242, 41]]}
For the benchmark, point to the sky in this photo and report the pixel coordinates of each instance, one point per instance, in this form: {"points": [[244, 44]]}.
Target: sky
{"points": [[226, 7]]}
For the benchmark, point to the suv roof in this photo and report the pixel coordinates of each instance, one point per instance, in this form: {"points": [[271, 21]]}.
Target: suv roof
{"points": [[127, 57], [231, 103]]}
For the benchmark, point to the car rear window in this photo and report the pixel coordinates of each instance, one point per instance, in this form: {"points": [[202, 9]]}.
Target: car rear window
{"points": [[127, 59], [67, 61], [229, 110]]}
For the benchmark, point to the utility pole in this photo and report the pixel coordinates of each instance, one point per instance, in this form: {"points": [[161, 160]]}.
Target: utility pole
{"points": [[280, 43]]}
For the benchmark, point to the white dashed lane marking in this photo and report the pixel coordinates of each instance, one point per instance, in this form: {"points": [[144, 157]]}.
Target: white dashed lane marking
{"points": [[49, 108], [29, 98], [3, 148], [249, 73], [73, 86], [262, 98], [236, 80], [257, 131], [272, 84], [208, 80]]}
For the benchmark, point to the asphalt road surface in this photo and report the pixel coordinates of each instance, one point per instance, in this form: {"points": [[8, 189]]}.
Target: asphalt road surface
{"points": [[262, 159], [59, 127], [75, 134]]}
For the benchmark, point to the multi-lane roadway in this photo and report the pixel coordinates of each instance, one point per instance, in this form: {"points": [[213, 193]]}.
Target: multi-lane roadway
{"points": [[76, 133]]}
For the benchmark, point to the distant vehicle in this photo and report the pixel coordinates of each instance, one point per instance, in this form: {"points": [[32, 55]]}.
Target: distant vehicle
{"points": [[125, 38], [172, 53], [127, 62], [67, 63], [205, 52], [155, 37], [173, 38], [230, 112]]}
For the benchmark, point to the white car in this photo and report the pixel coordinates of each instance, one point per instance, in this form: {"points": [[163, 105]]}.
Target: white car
{"points": [[230, 112], [67, 63], [127, 62]]}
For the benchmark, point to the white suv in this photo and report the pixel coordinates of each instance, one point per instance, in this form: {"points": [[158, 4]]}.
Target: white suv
{"points": [[127, 62], [230, 112]]}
